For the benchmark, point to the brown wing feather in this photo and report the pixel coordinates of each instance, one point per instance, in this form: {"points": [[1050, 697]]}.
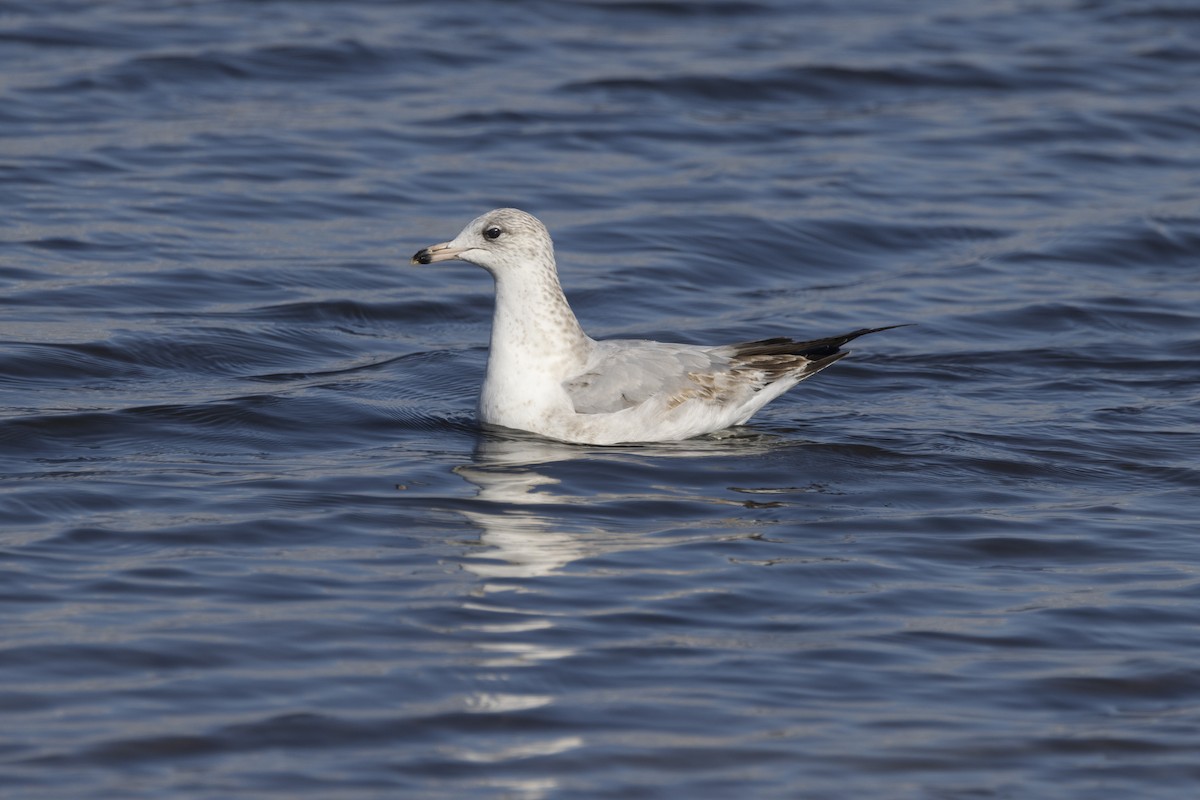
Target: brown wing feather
{"points": [[778, 356], [811, 348]]}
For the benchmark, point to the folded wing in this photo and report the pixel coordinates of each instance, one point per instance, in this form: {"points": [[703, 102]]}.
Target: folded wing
{"points": [[623, 373]]}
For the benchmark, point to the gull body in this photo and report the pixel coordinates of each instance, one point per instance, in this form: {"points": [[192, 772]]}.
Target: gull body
{"points": [[546, 376]]}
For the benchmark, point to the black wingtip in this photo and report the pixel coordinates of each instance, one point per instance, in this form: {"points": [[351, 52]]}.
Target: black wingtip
{"points": [[849, 337], [813, 348]]}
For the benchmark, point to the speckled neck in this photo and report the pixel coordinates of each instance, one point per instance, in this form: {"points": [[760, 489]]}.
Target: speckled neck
{"points": [[533, 327]]}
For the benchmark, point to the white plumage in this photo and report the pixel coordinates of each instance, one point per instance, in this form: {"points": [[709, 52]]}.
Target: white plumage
{"points": [[546, 376]]}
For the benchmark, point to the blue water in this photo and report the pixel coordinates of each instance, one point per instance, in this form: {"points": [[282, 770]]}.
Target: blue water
{"points": [[253, 542]]}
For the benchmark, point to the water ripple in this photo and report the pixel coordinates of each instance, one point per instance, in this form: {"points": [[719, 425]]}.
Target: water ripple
{"points": [[254, 540]]}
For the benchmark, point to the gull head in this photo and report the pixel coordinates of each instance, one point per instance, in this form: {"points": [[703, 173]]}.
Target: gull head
{"points": [[500, 241]]}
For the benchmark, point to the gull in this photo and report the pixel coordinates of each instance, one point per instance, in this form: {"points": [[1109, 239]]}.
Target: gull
{"points": [[546, 376]]}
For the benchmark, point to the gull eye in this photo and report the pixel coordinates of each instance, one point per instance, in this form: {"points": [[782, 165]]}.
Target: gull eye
{"points": [[493, 232]]}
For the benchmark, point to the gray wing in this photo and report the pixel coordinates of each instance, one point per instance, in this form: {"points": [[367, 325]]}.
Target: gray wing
{"points": [[623, 373]]}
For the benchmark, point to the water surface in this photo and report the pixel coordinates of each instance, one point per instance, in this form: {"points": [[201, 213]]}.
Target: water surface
{"points": [[254, 544]]}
